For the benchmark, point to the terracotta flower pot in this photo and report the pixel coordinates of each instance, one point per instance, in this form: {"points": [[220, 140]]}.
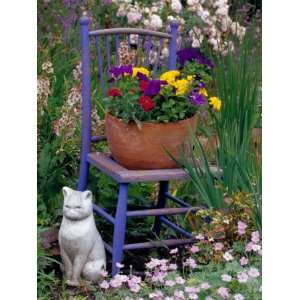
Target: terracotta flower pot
{"points": [[144, 148]]}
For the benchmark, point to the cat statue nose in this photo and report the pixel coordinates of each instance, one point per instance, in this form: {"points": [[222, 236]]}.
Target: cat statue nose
{"points": [[81, 246]]}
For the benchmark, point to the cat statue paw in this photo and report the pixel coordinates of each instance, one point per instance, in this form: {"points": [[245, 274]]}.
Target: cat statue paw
{"points": [[81, 246]]}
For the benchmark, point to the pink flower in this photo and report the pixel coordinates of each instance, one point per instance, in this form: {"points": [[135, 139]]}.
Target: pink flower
{"points": [[179, 280], [154, 262], [194, 249], [244, 261], [163, 268], [218, 246], [190, 262], [205, 286], [135, 279], [118, 279], [256, 247], [157, 295], [158, 277], [191, 290], [170, 283], [226, 277], [172, 267], [238, 297], [103, 273], [104, 285], [174, 251], [223, 292], [179, 294], [242, 227], [208, 298], [255, 237], [133, 284], [242, 277], [193, 296], [253, 272], [135, 288], [248, 247], [227, 256], [200, 237]]}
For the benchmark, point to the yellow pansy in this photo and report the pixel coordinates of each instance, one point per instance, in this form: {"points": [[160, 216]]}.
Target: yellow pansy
{"points": [[215, 102], [170, 76], [142, 70], [181, 86], [203, 92], [190, 77]]}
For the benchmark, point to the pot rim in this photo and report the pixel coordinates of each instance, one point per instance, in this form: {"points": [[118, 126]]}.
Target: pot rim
{"points": [[107, 114]]}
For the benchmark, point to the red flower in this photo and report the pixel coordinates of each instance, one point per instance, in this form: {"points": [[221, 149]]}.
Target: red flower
{"points": [[114, 92], [144, 85], [146, 103]]}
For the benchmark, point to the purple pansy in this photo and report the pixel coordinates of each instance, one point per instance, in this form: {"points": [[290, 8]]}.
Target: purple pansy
{"points": [[141, 76], [197, 99], [189, 54], [201, 85], [154, 87], [120, 71]]}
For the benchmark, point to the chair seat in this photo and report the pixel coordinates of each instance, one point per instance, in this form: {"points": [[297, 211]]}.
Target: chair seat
{"points": [[105, 163]]}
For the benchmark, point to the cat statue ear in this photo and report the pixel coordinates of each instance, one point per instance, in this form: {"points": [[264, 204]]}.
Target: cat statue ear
{"points": [[66, 191], [88, 195]]}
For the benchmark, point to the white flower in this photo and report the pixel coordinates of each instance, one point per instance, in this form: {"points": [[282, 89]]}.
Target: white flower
{"points": [[238, 297], [176, 6], [226, 277], [104, 284], [227, 256], [48, 67], [222, 11], [205, 285], [253, 272], [155, 22], [242, 277], [164, 53], [133, 17], [192, 2]]}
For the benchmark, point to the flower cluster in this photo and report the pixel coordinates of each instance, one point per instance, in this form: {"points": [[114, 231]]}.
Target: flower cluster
{"points": [[164, 281], [66, 126], [175, 95], [212, 19], [44, 87]]}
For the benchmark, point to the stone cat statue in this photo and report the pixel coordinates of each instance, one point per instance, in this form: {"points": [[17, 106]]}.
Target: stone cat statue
{"points": [[81, 246]]}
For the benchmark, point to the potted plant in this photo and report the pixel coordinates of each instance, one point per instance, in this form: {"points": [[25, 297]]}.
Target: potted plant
{"points": [[146, 117]]}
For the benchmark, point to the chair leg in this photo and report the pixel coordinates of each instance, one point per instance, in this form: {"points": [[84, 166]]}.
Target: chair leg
{"points": [[163, 188], [119, 227], [83, 175]]}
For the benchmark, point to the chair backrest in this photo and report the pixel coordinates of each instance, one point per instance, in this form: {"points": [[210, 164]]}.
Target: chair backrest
{"points": [[145, 38]]}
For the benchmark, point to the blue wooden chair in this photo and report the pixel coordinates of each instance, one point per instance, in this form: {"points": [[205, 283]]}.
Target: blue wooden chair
{"points": [[107, 165]]}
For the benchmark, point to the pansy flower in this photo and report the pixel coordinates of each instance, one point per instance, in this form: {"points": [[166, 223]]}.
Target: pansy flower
{"points": [[190, 54], [140, 70], [197, 99], [146, 103], [121, 71], [114, 92], [216, 103], [153, 87]]}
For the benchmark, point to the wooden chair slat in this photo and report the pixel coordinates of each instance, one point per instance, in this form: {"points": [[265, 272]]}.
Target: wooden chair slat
{"points": [[100, 64]]}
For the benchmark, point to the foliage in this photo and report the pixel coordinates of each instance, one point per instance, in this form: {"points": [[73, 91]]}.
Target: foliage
{"points": [[238, 77], [46, 280]]}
